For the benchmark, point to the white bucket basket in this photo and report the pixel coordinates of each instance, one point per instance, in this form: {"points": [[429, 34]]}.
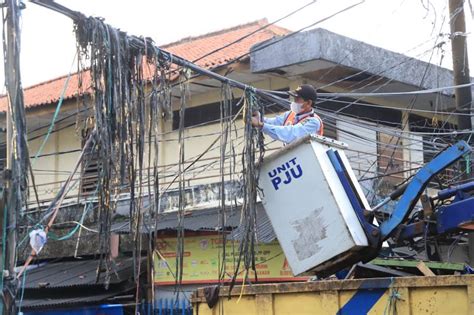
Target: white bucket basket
{"points": [[310, 212]]}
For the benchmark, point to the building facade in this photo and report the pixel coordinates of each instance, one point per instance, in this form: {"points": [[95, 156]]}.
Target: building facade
{"points": [[389, 134]]}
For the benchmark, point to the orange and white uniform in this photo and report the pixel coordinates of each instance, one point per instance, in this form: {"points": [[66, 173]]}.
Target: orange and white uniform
{"points": [[289, 126]]}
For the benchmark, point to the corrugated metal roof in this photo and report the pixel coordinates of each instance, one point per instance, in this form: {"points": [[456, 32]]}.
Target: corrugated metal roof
{"points": [[63, 302], [76, 273], [195, 220], [207, 219], [265, 233], [73, 283]]}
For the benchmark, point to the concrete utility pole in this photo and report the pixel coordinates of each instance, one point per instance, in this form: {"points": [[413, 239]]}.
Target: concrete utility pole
{"points": [[15, 101], [460, 62], [463, 96]]}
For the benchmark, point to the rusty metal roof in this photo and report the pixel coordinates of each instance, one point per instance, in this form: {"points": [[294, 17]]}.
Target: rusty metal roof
{"points": [[76, 273], [204, 220], [69, 283], [265, 233], [106, 296]]}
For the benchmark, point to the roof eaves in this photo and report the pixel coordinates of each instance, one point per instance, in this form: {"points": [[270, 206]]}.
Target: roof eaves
{"points": [[261, 22]]}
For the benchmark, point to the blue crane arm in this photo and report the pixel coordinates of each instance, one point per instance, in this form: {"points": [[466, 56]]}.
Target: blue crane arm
{"points": [[418, 184]]}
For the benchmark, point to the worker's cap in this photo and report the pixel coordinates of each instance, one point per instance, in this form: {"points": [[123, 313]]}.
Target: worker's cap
{"points": [[305, 91]]}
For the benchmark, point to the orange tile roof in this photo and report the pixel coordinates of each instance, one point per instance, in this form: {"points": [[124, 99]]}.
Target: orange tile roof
{"points": [[189, 48]]}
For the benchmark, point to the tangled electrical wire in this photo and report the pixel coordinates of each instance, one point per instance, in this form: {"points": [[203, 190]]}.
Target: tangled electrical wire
{"points": [[123, 121], [125, 129]]}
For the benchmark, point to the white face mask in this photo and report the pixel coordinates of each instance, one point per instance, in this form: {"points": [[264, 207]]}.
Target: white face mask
{"points": [[296, 107]]}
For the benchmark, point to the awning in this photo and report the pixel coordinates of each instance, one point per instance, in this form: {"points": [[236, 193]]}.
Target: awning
{"points": [[75, 283], [204, 220]]}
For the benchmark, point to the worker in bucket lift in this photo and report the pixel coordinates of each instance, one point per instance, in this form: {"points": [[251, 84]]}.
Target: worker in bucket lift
{"points": [[296, 123]]}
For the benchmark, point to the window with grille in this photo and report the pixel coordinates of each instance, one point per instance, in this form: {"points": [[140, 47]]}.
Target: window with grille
{"points": [[90, 167], [91, 171]]}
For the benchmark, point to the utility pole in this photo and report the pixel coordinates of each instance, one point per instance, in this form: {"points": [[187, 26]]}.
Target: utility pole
{"points": [[14, 152], [463, 95], [460, 63]]}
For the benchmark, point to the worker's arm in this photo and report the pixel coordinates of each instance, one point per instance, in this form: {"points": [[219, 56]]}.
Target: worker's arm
{"points": [[288, 134], [277, 120]]}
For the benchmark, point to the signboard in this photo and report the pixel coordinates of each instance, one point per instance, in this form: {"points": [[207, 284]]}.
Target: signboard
{"points": [[203, 257]]}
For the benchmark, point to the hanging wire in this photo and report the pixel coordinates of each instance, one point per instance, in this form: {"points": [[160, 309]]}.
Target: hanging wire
{"points": [[180, 232], [252, 153]]}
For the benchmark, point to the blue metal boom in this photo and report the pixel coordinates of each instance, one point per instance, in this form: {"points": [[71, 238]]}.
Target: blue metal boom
{"points": [[418, 184]]}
